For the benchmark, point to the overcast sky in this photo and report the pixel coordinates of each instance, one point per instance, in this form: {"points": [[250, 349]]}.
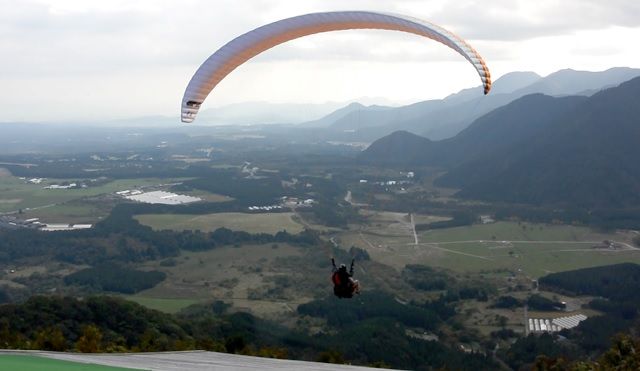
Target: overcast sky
{"points": [[104, 59]]}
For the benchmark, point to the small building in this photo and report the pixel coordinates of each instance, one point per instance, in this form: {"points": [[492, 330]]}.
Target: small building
{"points": [[54, 227], [161, 197], [486, 219], [555, 324], [82, 226], [58, 186]]}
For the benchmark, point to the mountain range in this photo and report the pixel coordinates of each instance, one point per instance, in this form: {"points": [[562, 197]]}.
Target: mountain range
{"points": [[444, 118], [573, 150]]}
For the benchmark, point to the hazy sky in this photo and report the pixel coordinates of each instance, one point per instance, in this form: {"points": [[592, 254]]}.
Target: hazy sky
{"points": [[103, 59]]}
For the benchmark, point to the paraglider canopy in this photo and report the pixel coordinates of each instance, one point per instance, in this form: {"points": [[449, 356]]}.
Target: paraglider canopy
{"points": [[252, 43]]}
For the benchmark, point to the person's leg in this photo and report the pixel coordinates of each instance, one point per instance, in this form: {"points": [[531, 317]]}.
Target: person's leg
{"points": [[356, 286]]}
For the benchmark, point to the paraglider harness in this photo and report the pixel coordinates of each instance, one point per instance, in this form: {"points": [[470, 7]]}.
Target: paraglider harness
{"points": [[344, 286]]}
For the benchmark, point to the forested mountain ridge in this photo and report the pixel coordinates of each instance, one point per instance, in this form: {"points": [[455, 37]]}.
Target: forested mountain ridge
{"points": [[587, 157], [580, 151], [103, 323], [499, 129], [399, 147]]}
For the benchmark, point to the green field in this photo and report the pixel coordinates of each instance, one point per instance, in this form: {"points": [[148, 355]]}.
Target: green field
{"points": [[230, 274], [34, 363], [75, 211], [208, 196], [532, 259], [512, 231], [530, 249], [164, 305], [252, 223], [16, 193]]}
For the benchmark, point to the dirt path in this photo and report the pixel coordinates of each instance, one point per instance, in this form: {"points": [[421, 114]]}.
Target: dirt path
{"points": [[348, 197], [456, 252], [413, 228]]}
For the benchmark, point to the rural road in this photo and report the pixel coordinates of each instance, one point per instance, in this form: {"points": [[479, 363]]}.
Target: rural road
{"points": [[413, 229]]}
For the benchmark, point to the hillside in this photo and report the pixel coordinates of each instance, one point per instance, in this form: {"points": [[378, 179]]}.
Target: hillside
{"points": [[587, 157], [372, 122], [335, 115], [497, 131], [574, 151], [444, 118], [400, 147], [569, 82]]}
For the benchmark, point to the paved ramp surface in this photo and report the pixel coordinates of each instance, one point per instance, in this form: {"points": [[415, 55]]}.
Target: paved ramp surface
{"points": [[194, 360]]}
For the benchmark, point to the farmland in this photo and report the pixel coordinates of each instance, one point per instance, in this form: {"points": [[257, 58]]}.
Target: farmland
{"points": [[17, 194], [166, 305], [252, 223], [74, 211], [531, 249], [244, 276]]}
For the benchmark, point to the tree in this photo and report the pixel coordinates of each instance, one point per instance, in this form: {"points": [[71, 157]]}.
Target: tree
{"points": [[623, 355], [90, 341], [331, 356], [235, 344], [50, 338]]}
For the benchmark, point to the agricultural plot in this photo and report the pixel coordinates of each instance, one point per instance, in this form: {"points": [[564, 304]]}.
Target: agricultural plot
{"points": [[75, 211], [208, 196], [513, 232], [428, 219], [166, 305], [387, 223], [259, 279], [16, 194], [253, 223], [531, 249]]}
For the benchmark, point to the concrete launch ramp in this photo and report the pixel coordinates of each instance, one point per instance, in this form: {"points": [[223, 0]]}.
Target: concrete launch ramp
{"points": [[191, 360]]}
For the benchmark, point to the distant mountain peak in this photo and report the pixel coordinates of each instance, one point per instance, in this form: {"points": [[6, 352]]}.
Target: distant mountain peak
{"points": [[354, 105], [513, 81], [403, 134], [398, 147]]}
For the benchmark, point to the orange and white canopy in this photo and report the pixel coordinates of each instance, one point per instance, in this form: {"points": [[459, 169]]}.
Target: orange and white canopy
{"points": [[252, 43]]}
